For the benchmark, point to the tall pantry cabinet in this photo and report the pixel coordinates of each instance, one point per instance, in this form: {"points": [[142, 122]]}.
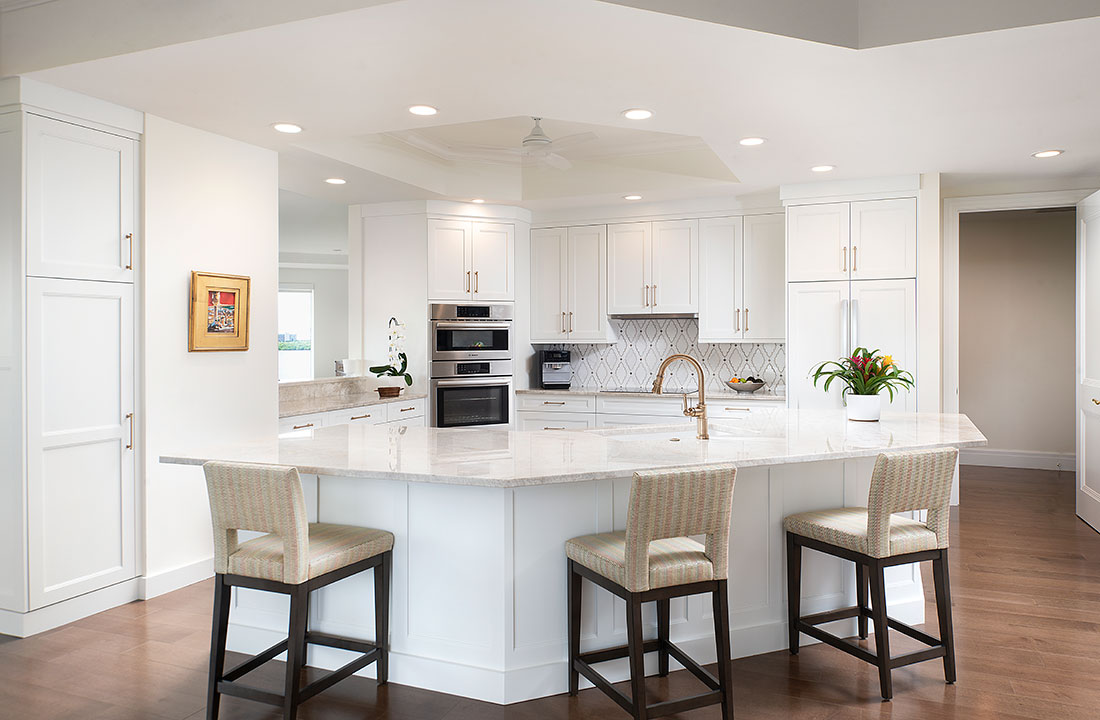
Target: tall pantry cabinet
{"points": [[69, 247], [851, 275]]}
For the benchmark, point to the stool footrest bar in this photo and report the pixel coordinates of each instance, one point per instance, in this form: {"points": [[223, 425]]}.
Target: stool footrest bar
{"points": [[255, 661]]}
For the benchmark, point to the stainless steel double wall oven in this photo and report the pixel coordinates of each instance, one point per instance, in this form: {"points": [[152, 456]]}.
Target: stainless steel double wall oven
{"points": [[471, 364]]}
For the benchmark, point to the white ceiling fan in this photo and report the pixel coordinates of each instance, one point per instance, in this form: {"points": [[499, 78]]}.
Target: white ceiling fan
{"points": [[537, 148]]}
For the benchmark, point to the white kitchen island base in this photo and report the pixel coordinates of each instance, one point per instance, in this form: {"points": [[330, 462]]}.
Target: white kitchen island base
{"points": [[479, 584], [481, 516]]}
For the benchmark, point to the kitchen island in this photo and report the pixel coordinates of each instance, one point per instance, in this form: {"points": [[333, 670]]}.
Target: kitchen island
{"points": [[481, 516]]}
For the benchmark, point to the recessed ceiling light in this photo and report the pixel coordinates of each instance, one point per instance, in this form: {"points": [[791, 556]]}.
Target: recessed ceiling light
{"points": [[632, 197], [750, 141], [422, 110], [637, 114], [289, 128], [335, 181], [477, 200], [823, 168], [1047, 153]]}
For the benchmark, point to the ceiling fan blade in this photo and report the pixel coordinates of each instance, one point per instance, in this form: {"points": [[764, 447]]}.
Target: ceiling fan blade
{"points": [[556, 161], [572, 140]]}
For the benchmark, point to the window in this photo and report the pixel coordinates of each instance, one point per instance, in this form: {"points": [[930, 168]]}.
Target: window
{"points": [[295, 332]]}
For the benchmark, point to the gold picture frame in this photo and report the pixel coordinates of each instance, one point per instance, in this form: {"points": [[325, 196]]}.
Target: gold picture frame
{"points": [[218, 318]]}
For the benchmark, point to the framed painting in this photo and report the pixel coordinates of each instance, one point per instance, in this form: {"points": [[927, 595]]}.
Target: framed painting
{"points": [[219, 312]]}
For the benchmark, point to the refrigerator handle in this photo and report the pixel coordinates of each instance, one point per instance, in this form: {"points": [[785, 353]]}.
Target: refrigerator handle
{"points": [[855, 323], [845, 328]]}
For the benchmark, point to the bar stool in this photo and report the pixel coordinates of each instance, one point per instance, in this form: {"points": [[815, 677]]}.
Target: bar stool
{"points": [[653, 560], [875, 539], [294, 558]]}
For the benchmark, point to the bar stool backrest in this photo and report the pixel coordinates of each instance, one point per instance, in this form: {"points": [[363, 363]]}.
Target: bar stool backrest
{"points": [[905, 481], [674, 503], [261, 498]]}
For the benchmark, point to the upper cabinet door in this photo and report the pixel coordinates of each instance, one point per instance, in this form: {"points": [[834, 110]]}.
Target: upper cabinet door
{"points": [[628, 260], [586, 308], [720, 269], [675, 267], [884, 239], [81, 211], [884, 318], [493, 256], [817, 242], [549, 249], [450, 276], [764, 316]]}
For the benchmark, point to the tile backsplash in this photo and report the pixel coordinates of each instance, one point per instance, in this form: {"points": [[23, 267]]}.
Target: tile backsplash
{"points": [[632, 362]]}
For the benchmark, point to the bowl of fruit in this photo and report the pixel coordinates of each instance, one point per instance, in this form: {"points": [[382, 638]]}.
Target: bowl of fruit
{"points": [[745, 384]]}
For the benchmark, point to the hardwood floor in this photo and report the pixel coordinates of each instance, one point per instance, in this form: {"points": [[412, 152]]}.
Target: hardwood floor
{"points": [[1025, 582]]}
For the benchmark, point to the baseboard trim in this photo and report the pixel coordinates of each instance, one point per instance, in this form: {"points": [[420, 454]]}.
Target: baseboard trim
{"points": [[67, 611], [1025, 459], [151, 586]]}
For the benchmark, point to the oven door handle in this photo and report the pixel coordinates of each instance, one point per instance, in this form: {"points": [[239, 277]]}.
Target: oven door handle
{"points": [[471, 325], [487, 382]]}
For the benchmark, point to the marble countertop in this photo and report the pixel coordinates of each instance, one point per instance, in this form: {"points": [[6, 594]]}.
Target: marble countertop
{"points": [[315, 396], [761, 394], [504, 458]]}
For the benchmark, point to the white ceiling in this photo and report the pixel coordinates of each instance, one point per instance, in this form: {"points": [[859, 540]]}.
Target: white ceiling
{"points": [[974, 106]]}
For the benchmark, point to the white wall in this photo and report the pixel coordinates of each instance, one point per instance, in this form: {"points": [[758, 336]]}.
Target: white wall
{"points": [[330, 313], [1016, 328], [211, 204]]}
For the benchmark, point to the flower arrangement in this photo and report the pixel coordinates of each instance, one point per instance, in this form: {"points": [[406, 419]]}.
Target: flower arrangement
{"points": [[864, 373]]}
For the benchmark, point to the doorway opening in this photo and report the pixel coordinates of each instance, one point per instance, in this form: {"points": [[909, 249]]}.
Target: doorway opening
{"points": [[1017, 335]]}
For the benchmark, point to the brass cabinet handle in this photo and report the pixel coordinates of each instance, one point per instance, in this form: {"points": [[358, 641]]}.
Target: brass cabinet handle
{"points": [[854, 249], [739, 409], [476, 285], [467, 288], [653, 300], [406, 409], [844, 261], [553, 428], [563, 321], [746, 319], [645, 295], [1095, 401], [360, 417], [738, 315], [130, 417], [570, 321], [547, 402], [301, 427], [130, 265]]}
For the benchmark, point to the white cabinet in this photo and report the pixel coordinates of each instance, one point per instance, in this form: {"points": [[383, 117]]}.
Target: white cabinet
{"points": [[80, 437], [829, 319], [653, 268], [569, 285], [407, 412], [817, 242], [471, 260], [300, 425], [554, 421], [884, 239], [742, 274], [81, 212], [397, 412], [866, 240]]}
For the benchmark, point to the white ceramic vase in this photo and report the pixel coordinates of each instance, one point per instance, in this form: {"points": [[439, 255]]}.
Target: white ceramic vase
{"points": [[864, 408]]}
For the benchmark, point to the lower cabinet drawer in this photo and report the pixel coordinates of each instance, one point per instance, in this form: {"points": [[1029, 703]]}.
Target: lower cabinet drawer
{"points": [[369, 415], [563, 402], [608, 420], [554, 420], [730, 408], [669, 405], [300, 423], [405, 409]]}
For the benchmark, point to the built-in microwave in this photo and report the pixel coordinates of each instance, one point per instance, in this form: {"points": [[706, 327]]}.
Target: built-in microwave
{"points": [[471, 332]]}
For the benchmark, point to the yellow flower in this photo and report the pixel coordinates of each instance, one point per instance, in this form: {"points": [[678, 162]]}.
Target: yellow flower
{"points": [[887, 361]]}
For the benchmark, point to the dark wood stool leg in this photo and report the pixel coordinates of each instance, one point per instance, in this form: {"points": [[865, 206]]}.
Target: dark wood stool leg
{"points": [[882, 631], [720, 598], [943, 610], [305, 645], [861, 598], [663, 621], [636, 654], [794, 590], [383, 575], [574, 604], [219, 629], [294, 660]]}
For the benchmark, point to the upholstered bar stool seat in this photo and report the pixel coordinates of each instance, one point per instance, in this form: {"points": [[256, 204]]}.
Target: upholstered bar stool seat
{"points": [[294, 557], [875, 538], [654, 560], [672, 561], [331, 547], [847, 528]]}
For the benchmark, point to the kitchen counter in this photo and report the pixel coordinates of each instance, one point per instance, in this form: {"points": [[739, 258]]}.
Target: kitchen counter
{"points": [[316, 396], [480, 518], [761, 394]]}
